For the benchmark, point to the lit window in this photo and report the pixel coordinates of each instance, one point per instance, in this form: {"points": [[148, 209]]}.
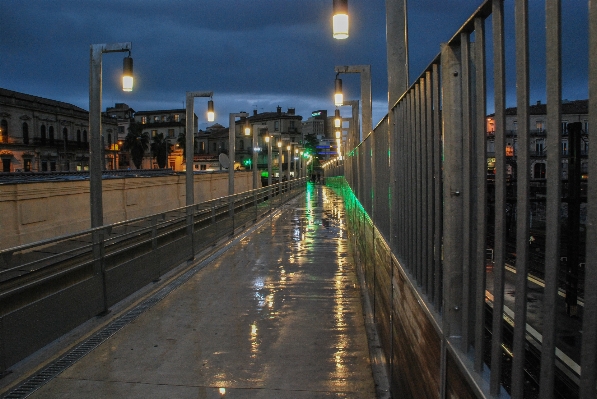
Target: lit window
{"points": [[176, 118], [154, 133], [144, 120]]}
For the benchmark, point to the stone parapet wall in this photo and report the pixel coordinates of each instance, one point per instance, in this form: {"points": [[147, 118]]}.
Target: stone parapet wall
{"points": [[32, 212]]}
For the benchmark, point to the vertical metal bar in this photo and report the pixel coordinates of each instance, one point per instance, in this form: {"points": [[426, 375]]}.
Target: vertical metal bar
{"points": [[417, 180], [430, 192], [500, 194], [453, 187], [424, 162], [95, 135], [254, 159], [589, 341], [466, 185], [231, 153], [438, 193], [553, 172], [411, 186], [189, 148], [481, 195], [523, 182]]}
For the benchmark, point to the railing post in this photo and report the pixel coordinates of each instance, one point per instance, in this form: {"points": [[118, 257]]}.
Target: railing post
{"points": [[99, 266]]}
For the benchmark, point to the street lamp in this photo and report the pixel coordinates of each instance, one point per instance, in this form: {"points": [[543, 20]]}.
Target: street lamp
{"points": [[340, 19], [232, 149], [365, 73], [289, 149], [280, 159], [95, 121], [256, 151], [189, 139], [337, 118], [210, 111], [294, 162], [338, 96], [268, 140]]}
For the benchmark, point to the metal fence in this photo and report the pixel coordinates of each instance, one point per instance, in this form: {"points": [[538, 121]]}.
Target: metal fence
{"points": [[48, 288], [465, 290]]}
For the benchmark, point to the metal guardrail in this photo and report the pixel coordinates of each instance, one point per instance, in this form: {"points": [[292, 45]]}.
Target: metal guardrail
{"points": [[424, 225], [49, 287]]}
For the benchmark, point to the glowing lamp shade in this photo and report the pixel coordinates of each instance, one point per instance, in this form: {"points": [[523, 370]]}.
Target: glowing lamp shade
{"points": [[127, 74], [210, 111], [340, 19], [279, 144], [288, 148], [338, 96], [247, 128], [338, 134], [337, 119], [267, 139]]}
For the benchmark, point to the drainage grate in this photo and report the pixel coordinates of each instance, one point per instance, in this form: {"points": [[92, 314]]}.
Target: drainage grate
{"points": [[50, 372]]}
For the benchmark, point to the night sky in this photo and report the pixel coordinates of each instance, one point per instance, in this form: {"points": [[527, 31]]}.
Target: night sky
{"points": [[252, 54]]}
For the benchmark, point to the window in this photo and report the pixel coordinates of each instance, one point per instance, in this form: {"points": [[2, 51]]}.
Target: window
{"points": [[586, 125], [565, 128], [65, 135], [27, 164], [156, 118], [4, 130], [78, 138], [202, 147], [539, 171], [144, 120], [51, 135], [25, 133], [515, 125], [539, 147], [5, 164], [203, 167], [241, 145], [564, 147], [53, 166], [44, 166], [109, 139], [176, 118], [215, 147], [120, 129], [43, 134], [84, 136], [539, 126], [276, 126], [154, 133], [292, 124], [171, 133]]}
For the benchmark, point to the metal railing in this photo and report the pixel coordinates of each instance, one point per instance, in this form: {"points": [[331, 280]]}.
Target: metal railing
{"points": [[48, 288], [487, 326]]}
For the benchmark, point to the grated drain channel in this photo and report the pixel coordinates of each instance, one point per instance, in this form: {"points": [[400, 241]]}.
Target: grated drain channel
{"points": [[50, 372]]}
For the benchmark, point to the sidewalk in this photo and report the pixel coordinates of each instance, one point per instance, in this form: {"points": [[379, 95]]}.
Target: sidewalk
{"points": [[276, 316]]}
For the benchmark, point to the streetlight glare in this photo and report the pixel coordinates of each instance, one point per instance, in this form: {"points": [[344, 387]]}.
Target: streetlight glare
{"points": [[127, 74], [210, 111], [340, 19]]}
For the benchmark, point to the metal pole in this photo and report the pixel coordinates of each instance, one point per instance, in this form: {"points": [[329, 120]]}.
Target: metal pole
{"points": [[231, 149], [365, 71], [289, 147], [95, 126], [190, 142], [255, 158], [269, 161]]}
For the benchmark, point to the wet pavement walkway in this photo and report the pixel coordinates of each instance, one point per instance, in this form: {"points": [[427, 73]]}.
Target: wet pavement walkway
{"points": [[278, 315]]}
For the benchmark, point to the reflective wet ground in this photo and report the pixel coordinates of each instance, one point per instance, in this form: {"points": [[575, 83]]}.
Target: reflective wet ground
{"points": [[277, 316]]}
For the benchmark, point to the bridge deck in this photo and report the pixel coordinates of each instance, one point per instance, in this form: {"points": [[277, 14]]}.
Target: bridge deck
{"points": [[278, 315]]}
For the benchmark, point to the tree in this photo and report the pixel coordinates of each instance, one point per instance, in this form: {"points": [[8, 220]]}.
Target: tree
{"points": [[137, 143], [160, 148], [182, 143], [310, 145]]}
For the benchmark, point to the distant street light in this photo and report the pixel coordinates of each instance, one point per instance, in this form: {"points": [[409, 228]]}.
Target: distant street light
{"points": [[268, 140], [256, 152], [338, 95], [280, 159], [189, 139], [232, 148], [337, 118], [289, 149], [365, 73], [96, 163], [340, 19]]}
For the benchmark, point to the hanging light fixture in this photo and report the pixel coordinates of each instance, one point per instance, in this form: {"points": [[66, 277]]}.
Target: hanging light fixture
{"points": [[338, 134], [127, 73], [338, 96], [247, 128], [337, 118], [210, 111], [340, 19]]}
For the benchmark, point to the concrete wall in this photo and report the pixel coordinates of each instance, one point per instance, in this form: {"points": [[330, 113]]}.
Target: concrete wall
{"points": [[31, 212]]}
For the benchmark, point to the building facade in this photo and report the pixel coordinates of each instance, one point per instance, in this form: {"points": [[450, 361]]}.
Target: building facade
{"points": [[42, 135]]}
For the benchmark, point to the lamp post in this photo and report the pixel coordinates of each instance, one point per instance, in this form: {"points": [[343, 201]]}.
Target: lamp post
{"points": [[280, 159], [95, 120], [231, 148], [365, 72], [294, 162], [190, 135], [289, 149], [255, 152], [268, 140]]}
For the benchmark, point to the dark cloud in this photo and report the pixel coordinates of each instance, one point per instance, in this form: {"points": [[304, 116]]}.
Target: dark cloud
{"points": [[248, 53]]}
